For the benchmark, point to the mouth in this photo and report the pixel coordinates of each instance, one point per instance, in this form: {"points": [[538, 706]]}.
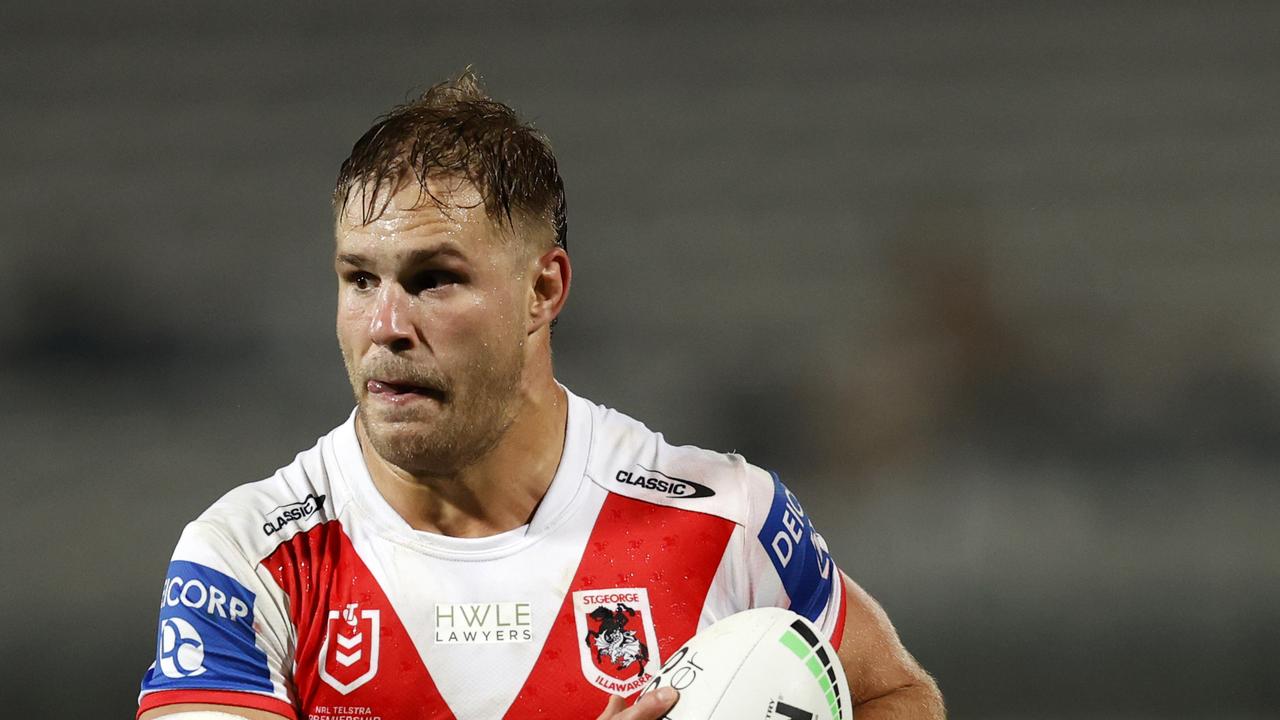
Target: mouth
{"points": [[402, 392]]}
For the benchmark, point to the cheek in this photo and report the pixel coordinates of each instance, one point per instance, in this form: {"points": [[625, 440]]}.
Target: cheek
{"points": [[352, 324], [479, 330], [502, 317], [349, 305]]}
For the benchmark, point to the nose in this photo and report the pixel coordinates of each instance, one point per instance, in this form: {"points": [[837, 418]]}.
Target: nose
{"points": [[389, 326]]}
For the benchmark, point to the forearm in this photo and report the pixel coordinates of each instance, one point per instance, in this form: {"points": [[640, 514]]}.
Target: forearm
{"points": [[920, 701]]}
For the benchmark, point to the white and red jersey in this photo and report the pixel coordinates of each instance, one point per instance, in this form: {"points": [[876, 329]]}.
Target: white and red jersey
{"points": [[305, 594]]}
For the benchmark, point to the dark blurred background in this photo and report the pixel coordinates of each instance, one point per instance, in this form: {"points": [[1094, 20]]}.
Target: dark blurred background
{"points": [[992, 285]]}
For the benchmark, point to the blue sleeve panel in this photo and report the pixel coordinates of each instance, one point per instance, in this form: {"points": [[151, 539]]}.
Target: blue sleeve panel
{"points": [[798, 553], [206, 639]]}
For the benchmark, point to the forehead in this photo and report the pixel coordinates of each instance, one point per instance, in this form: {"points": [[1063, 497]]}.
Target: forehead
{"points": [[411, 217]]}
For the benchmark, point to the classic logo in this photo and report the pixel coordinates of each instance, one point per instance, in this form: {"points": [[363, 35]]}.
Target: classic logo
{"points": [[181, 649], [349, 655], [618, 647], [286, 514], [672, 487]]}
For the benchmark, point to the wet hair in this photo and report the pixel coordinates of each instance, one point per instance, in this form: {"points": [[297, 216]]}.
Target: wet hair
{"points": [[455, 129]]}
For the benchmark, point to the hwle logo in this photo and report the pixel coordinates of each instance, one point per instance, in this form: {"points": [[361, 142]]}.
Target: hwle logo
{"points": [[292, 512], [672, 487], [498, 622]]}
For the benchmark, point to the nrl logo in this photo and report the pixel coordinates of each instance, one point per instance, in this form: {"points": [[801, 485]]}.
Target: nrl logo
{"points": [[619, 649], [354, 660]]}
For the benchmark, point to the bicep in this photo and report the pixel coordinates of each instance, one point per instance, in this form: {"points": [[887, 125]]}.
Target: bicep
{"points": [[875, 661], [238, 712]]}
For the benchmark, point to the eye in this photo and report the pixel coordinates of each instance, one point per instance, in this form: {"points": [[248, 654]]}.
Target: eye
{"points": [[431, 280], [361, 280]]}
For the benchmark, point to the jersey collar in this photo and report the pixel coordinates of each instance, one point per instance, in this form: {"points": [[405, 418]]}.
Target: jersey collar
{"points": [[567, 486]]}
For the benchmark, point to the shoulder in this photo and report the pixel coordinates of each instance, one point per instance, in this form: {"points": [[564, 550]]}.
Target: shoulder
{"points": [[627, 458], [254, 518]]}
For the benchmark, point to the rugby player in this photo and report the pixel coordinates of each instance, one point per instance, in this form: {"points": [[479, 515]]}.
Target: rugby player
{"points": [[476, 541]]}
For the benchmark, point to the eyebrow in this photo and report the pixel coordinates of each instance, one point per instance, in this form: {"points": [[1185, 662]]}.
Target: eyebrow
{"points": [[417, 257]]}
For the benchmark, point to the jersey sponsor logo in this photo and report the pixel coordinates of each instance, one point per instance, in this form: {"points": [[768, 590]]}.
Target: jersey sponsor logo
{"points": [[349, 654], [199, 593], [619, 649], [181, 649], [500, 622], [798, 553], [285, 514], [672, 487], [206, 637]]}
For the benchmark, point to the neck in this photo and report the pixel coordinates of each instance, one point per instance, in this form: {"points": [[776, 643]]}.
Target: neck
{"points": [[499, 491]]}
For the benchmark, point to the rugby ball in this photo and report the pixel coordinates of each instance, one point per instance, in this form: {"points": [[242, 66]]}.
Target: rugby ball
{"points": [[761, 664]]}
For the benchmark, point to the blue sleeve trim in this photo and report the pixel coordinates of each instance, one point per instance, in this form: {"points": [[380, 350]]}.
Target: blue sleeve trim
{"points": [[206, 638], [798, 553]]}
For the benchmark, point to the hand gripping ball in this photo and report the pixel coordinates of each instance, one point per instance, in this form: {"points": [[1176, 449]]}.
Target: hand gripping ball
{"points": [[761, 664]]}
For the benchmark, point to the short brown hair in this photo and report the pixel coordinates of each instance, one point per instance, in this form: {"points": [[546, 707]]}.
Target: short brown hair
{"points": [[456, 129]]}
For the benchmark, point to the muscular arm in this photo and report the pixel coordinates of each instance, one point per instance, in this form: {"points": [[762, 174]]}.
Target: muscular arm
{"points": [[886, 682]]}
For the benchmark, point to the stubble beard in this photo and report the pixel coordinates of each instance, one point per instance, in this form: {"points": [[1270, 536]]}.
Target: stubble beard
{"points": [[440, 441]]}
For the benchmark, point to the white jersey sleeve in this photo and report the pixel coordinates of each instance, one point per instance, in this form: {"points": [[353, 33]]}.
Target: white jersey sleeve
{"points": [[776, 558], [224, 634], [787, 556]]}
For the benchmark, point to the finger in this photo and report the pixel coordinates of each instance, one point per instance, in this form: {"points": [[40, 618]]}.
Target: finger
{"points": [[652, 706], [615, 705]]}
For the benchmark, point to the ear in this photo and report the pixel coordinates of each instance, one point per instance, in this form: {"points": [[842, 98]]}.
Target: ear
{"points": [[550, 288]]}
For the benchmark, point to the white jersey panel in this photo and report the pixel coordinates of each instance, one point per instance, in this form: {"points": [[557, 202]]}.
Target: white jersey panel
{"points": [[484, 602], [632, 460], [775, 558]]}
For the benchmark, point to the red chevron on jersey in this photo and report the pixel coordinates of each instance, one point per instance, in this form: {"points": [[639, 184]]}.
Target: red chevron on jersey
{"points": [[627, 536], [353, 652]]}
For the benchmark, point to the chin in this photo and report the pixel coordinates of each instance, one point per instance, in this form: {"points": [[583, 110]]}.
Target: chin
{"points": [[413, 443], [406, 444], [437, 438], [397, 427]]}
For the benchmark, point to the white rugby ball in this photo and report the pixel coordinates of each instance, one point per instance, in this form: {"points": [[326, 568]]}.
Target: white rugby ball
{"points": [[761, 664]]}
